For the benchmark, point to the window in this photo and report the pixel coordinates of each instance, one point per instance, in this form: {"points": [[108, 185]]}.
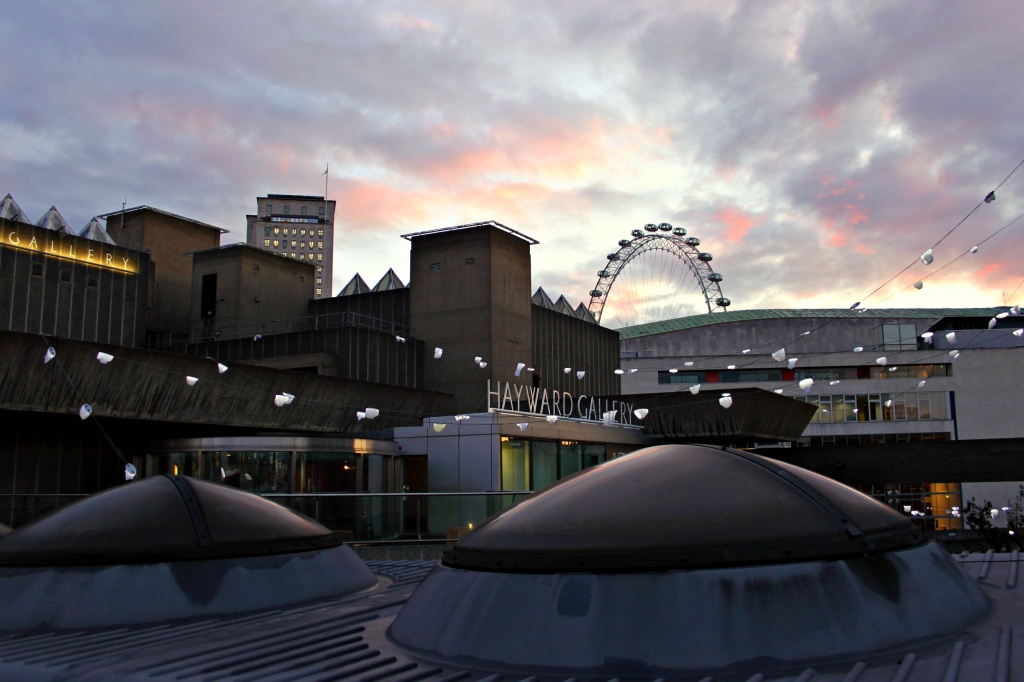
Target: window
{"points": [[319, 280], [470, 261], [303, 210], [294, 243], [295, 231], [898, 337], [208, 296], [267, 208], [319, 233], [293, 254], [319, 268], [287, 208], [266, 231], [65, 274], [277, 243], [321, 210], [319, 291], [302, 244], [690, 377], [319, 256], [277, 231], [92, 279], [37, 269], [435, 266], [302, 232], [319, 245]]}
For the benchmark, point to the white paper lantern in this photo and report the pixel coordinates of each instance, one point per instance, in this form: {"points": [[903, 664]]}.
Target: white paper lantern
{"points": [[619, 371], [372, 412], [927, 257], [104, 358], [951, 337], [519, 368], [695, 389], [927, 336], [221, 368], [438, 427], [640, 412], [191, 380], [551, 418], [49, 355], [858, 349], [779, 355], [725, 401], [580, 374], [806, 384], [882, 360], [792, 362], [438, 352], [84, 411]]}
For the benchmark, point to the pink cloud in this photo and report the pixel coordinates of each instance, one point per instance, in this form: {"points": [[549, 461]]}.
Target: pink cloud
{"points": [[737, 223]]}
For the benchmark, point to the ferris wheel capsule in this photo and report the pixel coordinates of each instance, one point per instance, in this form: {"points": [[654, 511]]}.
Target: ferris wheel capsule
{"points": [[705, 256], [681, 231], [665, 227], [723, 302], [603, 273], [692, 241], [625, 242], [715, 277], [596, 293], [613, 256], [637, 233], [651, 227]]}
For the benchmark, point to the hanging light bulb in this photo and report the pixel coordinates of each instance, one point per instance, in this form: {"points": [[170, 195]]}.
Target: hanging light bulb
{"points": [[221, 368], [438, 352], [1018, 332], [49, 355], [688, 363], [580, 374], [619, 371], [927, 257], [918, 285], [519, 368], [745, 351], [990, 197], [805, 384], [522, 426], [927, 336], [640, 412], [695, 389], [438, 427], [478, 359], [461, 417], [372, 412], [974, 249], [673, 370], [566, 370], [400, 339], [551, 418], [482, 364], [725, 401], [360, 415], [280, 400], [779, 355], [191, 381], [778, 390], [992, 323], [882, 360], [921, 383], [792, 362], [954, 354], [633, 371], [833, 382], [129, 471], [84, 411], [951, 337], [858, 349], [730, 366]]}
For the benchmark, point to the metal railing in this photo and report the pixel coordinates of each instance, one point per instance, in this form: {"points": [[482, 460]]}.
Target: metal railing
{"points": [[390, 516]]}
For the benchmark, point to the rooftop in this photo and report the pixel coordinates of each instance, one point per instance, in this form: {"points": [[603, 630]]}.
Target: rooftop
{"points": [[136, 209], [469, 226], [709, 319]]}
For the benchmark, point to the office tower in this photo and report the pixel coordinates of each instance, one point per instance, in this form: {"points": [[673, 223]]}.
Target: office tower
{"points": [[296, 226]]}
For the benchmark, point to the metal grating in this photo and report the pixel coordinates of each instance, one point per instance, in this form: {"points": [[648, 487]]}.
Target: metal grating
{"points": [[346, 640]]}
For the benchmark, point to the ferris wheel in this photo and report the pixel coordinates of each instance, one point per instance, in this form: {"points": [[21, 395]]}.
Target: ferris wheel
{"points": [[659, 274]]}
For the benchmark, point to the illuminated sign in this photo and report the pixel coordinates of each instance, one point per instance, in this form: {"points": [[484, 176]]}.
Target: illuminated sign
{"points": [[536, 400], [68, 247]]}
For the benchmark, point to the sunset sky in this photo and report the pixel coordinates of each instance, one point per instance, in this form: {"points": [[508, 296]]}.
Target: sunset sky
{"points": [[815, 148]]}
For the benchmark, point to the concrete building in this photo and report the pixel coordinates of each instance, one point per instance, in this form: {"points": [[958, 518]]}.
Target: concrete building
{"points": [[169, 240], [894, 391], [58, 284], [300, 227]]}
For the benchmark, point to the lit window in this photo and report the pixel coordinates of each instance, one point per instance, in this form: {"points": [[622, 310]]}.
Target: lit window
{"points": [[319, 280], [294, 243], [277, 231], [303, 210], [319, 233], [302, 233], [277, 243], [319, 291], [295, 231], [319, 245], [302, 245], [293, 254], [319, 268], [319, 256], [266, 242], [268, 208], [287, 209]]}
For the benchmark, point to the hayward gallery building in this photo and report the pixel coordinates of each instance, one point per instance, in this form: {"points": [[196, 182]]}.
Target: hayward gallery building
{"points": [[463, 380]]}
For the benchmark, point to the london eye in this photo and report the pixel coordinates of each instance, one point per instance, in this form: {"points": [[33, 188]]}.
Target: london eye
{"points": [[659, 274]]}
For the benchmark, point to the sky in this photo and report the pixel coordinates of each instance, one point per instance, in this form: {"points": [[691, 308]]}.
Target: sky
{"points": [[816, 149]]}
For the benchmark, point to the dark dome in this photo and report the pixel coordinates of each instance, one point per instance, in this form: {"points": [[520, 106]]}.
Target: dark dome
{"points": [[168, 548], [678, 506], [687, 560], [158, 519]]}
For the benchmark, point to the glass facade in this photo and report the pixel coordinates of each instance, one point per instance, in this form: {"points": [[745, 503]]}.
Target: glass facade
{"points": [[870, 407], [531, 464]]}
